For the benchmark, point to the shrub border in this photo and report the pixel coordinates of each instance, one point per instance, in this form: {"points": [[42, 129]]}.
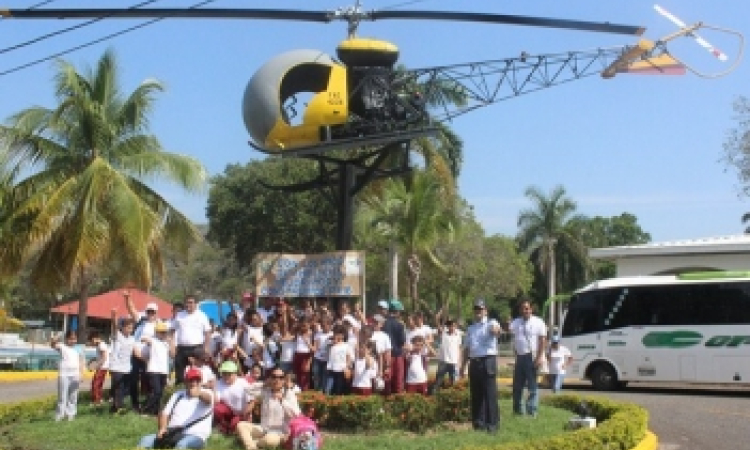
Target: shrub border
{"points": [[621, 426]]}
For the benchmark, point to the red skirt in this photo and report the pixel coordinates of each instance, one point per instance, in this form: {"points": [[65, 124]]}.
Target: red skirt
{"points": [[416, 388], [364, 392]]}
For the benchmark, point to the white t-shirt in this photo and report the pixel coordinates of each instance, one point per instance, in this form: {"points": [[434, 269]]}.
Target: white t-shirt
{"points": [[235, 395], [103, 349], [144, 328], [70, 361], [252, 338], [382, 341], [158, 357], [337, 361], [287, 350], [363, 376], [526, 334], [450, 347], [190, 328], [427, 332], [301, 346], [415, 372], [185, 409], [122, 350], [228, 338], [323, 344], [557, 359]]}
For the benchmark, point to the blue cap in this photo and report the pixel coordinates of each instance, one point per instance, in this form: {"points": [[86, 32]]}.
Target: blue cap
{"points": [[395, 305]]}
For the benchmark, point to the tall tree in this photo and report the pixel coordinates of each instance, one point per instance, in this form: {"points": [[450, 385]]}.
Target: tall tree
{"points": [[86, 203], [543, 234], [416, 214]]}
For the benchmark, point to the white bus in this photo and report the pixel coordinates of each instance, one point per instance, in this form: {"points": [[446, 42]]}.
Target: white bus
{"points": [[690, 328]]}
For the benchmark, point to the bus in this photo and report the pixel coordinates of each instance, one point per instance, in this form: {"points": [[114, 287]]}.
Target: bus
{"points": [[688, 328]]}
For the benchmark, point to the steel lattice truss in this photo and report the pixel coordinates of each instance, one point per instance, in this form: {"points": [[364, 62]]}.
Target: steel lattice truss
{"points": [[487, 82]]}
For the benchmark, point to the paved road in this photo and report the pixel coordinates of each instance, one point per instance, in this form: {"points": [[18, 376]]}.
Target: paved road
{"points": [[692, 419], [684, 419]]}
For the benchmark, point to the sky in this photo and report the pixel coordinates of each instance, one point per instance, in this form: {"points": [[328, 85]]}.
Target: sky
{"points": [[647, 145]]}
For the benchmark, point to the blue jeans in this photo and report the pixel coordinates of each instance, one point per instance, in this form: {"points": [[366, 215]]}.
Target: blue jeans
{"points": [[445, 369], [525, 375], [320, 377], [188, 441], [556, 381]]}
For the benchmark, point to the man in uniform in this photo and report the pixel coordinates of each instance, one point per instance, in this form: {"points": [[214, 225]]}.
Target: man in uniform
{"points": [[480, 353]]}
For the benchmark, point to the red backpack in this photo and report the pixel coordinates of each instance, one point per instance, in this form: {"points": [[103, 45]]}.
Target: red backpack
{"points": [[303, 434]]}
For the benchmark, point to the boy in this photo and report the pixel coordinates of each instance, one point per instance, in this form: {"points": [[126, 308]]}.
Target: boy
{"points": [[102, 367]]}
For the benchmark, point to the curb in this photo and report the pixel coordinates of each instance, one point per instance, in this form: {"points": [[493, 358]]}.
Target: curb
{"points": [[18, 377], [649, 442]]}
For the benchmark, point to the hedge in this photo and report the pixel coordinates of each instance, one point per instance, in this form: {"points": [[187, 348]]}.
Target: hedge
{"points": [[621, 426]]}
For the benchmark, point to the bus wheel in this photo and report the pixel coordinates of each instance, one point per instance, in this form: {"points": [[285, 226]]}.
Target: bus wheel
{"points": [[604, 378]]}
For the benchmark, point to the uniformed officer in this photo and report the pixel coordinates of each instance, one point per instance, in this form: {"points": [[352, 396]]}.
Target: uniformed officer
{"points": [[480, 353]]}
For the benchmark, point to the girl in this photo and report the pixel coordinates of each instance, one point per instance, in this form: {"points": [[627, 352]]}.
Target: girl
{"points": [[288, 344], [229, 335], [559, 357], [365, 369], [102, 367], [339, 362], [416, 374], [303, 352], [320, 361], [251, 334], [69, 375], [159, 349]]}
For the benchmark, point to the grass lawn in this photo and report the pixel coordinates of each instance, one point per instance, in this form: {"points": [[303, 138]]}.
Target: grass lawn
{"points": [[96, 429]]}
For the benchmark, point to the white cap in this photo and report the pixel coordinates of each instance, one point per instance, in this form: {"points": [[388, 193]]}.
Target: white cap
{"points": [[378, 318], [383, 304], [152, 306]]}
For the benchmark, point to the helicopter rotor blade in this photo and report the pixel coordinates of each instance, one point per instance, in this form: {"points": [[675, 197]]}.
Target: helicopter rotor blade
{"points": [[172, 13], [506, 19]]}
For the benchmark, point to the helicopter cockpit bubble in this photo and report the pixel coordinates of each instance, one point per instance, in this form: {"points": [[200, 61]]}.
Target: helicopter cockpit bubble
{"points": [[280, 79]]}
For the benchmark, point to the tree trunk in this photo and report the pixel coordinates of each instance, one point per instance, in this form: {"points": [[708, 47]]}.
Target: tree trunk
{"points": [[393, 271], [551, 290], [83, 308]]}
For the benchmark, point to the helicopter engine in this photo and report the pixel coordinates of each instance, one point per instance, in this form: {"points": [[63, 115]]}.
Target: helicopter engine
{"points": [[360, 98]]}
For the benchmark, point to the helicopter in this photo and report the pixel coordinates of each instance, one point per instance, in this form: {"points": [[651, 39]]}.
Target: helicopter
{"points": [[362, 98]]}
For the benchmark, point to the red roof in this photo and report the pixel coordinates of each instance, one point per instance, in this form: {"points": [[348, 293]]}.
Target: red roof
{"points": [[100, 306]]}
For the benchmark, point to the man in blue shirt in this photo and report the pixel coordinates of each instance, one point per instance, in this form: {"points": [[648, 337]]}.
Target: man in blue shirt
{"points": [[393, 370], [480, 353]]}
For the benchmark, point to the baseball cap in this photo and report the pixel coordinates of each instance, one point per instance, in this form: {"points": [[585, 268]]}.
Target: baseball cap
{"points": [[228, 367], [152, 306], [161, 327], [395, 305], [479, 303], [383, 304], [378, 318], [193, 374]]}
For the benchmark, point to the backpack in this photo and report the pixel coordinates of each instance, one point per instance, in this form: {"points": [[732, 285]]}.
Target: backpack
{"points": [[303, 434]]}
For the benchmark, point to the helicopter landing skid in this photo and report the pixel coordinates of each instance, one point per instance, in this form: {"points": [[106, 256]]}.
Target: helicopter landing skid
{"points": [[338, 144]]}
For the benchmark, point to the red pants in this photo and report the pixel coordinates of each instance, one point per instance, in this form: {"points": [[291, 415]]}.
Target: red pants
{"points": [[225, 418], [97, 385], [302, 365], [416, 388], [396, 384], [364, 392]]}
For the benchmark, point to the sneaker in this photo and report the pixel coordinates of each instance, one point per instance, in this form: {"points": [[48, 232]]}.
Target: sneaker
{"points": [[58, 418]]}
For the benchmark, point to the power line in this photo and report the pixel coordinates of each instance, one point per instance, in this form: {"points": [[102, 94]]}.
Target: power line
{"points": [[64, 30], [95, 41]]}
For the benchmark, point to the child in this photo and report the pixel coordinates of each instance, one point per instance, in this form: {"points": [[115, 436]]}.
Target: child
{"points": [[559, 357], [102, 367], [123, 344], [416, 374], [449, 354], [290, 385], [69, 375], [200, 361], [158, 349], [320, 360], [365, 369], [339, 362], [255, 374]]}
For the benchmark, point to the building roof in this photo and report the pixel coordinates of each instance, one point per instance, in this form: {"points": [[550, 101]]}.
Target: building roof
{"points": [[100, 306], [737, 243]]}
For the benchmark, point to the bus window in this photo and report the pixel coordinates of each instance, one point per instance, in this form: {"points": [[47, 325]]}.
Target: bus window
{"points": [[582, 316]]}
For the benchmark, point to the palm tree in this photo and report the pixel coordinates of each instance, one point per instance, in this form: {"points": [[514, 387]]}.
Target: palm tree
{"points": [[86, 204], [415, 214], [544, 234]]}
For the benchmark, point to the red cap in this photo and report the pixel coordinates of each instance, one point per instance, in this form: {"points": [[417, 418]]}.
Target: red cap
{"points": [[193, 374]]}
